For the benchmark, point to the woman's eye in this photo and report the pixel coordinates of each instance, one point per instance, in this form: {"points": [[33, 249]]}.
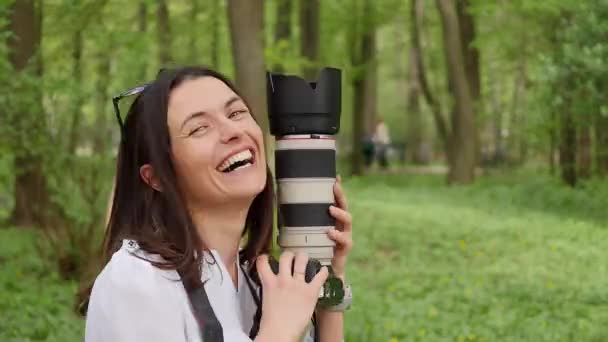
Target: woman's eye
{"points": [[198, 129], [237, 114]]}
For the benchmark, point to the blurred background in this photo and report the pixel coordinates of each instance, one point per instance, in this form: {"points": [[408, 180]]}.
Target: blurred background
{"points": [[473, 146]]}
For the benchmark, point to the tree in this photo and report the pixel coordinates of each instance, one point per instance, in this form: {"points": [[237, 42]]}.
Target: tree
{"points": [[309, 42], [246, 23], [142, 27], [567, 145], [362, 42], [470, 54], [77, 42], [414, 114], [601, 145], [462, 154], [28, 119], [215, 34], [283, 27], [164, 32], [459, 137], [194, 36]]}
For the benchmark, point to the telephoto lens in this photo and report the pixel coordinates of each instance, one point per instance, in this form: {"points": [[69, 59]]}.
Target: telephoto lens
{"points": [[304, 118]]}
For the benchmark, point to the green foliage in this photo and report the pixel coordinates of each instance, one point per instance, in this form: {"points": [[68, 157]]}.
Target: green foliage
{"points": [[35, 303], [504, 260], [510, 258]]}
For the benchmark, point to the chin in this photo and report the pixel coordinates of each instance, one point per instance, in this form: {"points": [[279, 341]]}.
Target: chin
{"points": [[245, 186]]}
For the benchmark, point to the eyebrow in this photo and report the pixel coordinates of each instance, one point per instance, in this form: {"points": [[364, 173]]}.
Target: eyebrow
{"points": [[199, 114]]}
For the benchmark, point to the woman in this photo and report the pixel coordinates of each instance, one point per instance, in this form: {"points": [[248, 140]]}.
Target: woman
{"points": [[191, 183]]}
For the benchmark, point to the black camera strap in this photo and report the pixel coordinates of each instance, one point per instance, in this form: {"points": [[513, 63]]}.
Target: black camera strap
{"points": [[210, 327]]}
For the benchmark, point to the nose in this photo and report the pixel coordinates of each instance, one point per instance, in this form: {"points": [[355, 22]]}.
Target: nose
{"points": [[229, 131]]}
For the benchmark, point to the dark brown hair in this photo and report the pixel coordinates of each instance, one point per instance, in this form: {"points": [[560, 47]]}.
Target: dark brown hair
{"points": [[159, 221]]}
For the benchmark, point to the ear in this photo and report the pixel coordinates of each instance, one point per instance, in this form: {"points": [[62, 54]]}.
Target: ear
{"points": [[146, 172]]}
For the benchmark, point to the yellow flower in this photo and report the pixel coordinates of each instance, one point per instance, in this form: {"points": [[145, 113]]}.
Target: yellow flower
{"points": [[462, 244]]}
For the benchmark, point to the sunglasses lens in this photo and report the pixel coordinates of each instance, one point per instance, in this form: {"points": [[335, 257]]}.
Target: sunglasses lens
{"points": [[134, 91]]}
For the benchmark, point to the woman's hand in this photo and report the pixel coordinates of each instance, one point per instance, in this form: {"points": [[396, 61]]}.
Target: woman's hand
{"points": [[288, 300], [342, 235]]}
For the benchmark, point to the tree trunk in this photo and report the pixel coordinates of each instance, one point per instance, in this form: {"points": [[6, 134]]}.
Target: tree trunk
{"points": [[142, 25], [77, 74], [100, 141], [195, 9], [416, 11], [553, 128], [584, 151], [283, 26], [358, 125], [309, 43], [497, 112], [567, 147], [370, 82], [462, 154], [357, 84], [28, 121], [601, 145], [516, 138], [164, 33], [215, 34], [414, 115], [246, 32], [470, 55]]}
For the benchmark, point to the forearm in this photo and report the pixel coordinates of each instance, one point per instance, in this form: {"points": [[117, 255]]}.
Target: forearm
{"points": [[330, 325]]}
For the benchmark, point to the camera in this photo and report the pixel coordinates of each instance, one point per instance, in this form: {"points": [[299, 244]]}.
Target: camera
{"points": [[304, 118]]}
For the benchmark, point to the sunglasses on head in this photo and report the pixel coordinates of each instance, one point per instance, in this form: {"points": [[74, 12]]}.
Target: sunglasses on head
{"points": [[128, 93], [116, 100]]}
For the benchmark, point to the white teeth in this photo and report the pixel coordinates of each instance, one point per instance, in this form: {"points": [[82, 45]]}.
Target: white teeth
{"points": [[243, 155]]}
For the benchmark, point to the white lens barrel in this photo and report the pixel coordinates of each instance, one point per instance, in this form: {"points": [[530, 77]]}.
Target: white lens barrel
{"points": [[305, 172]]}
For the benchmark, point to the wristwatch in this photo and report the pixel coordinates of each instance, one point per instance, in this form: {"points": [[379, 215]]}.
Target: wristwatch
{"points": [[345, 303]]}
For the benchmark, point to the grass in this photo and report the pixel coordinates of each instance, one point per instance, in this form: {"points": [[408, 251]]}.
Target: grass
{"points": [[503, 260], [513, 258]]}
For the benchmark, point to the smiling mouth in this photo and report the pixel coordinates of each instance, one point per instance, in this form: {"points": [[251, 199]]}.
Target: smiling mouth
{"points": [[239, 160]]}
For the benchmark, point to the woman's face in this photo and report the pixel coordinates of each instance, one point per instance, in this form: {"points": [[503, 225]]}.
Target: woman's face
{"points": [[217, 147]]}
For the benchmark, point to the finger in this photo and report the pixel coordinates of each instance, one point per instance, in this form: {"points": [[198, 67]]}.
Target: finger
{"points": [[285, 263], [343, 239], [263, 268], [340, 196], [343, 217], [319, 278], [299, 266]]}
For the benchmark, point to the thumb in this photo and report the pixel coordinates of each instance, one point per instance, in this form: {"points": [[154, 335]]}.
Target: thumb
{"points": [[320, 278], [263, 267]]}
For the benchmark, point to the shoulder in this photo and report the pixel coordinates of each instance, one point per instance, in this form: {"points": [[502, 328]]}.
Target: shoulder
{"points": [[132, 300], [130, 273]]}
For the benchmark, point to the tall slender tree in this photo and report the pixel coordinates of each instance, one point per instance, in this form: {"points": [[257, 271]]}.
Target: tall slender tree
{"points": [[28, 119], [414, 114], [215, 33], [462, 156], [282, 30], [246, 22], [164, 32], [362, 43], [309, 32]]}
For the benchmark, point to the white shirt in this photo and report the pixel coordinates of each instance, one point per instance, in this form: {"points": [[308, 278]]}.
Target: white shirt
{"points": [[132, 300]]}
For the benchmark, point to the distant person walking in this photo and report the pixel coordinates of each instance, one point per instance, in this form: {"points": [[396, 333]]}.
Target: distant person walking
{"points": [[382, 140]]}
